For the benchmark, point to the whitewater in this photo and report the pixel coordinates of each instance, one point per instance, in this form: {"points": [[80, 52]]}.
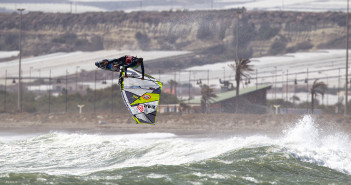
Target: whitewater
{"points": [[304, 153]]}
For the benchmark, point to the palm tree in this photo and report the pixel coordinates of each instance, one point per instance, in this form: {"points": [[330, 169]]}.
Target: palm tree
{"points": [[317, 88], [207, 95], [175, 88], [241, 68], [173, 84]]}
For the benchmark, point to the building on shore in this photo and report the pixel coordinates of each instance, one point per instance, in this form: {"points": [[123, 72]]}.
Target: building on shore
{"points": [[251, 100]]}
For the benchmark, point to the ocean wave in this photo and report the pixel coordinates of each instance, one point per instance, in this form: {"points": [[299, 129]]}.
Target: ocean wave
{"points": [[157, 156]]}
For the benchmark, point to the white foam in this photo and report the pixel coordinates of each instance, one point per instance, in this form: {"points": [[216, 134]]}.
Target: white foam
{"points": [[306, 142], [63, 153]]}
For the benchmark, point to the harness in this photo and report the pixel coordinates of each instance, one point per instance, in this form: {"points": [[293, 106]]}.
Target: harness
{"points": [[128, 60]]}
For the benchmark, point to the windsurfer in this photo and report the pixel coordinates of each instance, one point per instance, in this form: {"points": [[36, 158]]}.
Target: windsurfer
{"points": [[125, 62]]}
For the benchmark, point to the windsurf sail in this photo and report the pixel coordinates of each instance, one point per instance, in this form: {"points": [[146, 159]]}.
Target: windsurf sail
{"points": [[141, 97]]}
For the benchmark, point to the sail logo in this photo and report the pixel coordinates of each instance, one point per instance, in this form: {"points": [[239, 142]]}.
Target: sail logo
{"points": [[146, 96], [140, 108], [149, 106]]}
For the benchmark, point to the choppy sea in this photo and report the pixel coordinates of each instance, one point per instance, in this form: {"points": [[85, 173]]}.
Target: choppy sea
{"points": [[301, 154]]}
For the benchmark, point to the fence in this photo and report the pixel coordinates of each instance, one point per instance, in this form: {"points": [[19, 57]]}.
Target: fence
{"points": [[98, 90]]}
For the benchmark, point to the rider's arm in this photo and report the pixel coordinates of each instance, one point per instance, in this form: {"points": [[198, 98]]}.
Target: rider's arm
{"points": [[120, 73], [125, 70], [128, 66], [142, 68]]}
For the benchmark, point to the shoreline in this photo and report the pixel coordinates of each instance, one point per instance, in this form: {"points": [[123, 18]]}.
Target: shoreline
{"points": [[180, 124]]}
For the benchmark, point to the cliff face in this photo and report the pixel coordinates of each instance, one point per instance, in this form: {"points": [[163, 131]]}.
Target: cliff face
{"points": [[211, 32]]}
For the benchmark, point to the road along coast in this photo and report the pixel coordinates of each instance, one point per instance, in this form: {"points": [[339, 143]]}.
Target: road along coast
{"points": [[174, 123]]}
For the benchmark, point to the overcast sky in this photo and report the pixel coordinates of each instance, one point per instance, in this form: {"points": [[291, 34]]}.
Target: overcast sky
{"points": [[79, 6]]}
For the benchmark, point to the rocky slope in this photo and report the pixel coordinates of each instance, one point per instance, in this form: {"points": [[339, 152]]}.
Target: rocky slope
{"points": [[208, 33]]}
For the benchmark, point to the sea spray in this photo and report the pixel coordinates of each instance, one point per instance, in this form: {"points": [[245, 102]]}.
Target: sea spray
{"points": [[304, 132], [305, 142]]}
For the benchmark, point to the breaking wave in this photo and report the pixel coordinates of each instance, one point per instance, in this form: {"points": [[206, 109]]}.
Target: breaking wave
{"points": [[304, 149]]}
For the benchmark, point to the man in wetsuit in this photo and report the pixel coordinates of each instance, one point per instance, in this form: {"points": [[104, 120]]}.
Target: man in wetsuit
{"points": [[125, 62]]}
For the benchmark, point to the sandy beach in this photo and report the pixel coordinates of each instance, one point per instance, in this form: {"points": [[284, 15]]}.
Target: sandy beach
{"points": [[173, 123]]}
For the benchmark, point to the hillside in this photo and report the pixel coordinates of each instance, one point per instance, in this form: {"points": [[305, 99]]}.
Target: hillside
{"points": [[209, 34]]}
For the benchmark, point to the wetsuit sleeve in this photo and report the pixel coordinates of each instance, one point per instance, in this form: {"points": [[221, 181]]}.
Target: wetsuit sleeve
{"points": [[125, 70], [120, 73], [142, 68], [129, 65]]}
